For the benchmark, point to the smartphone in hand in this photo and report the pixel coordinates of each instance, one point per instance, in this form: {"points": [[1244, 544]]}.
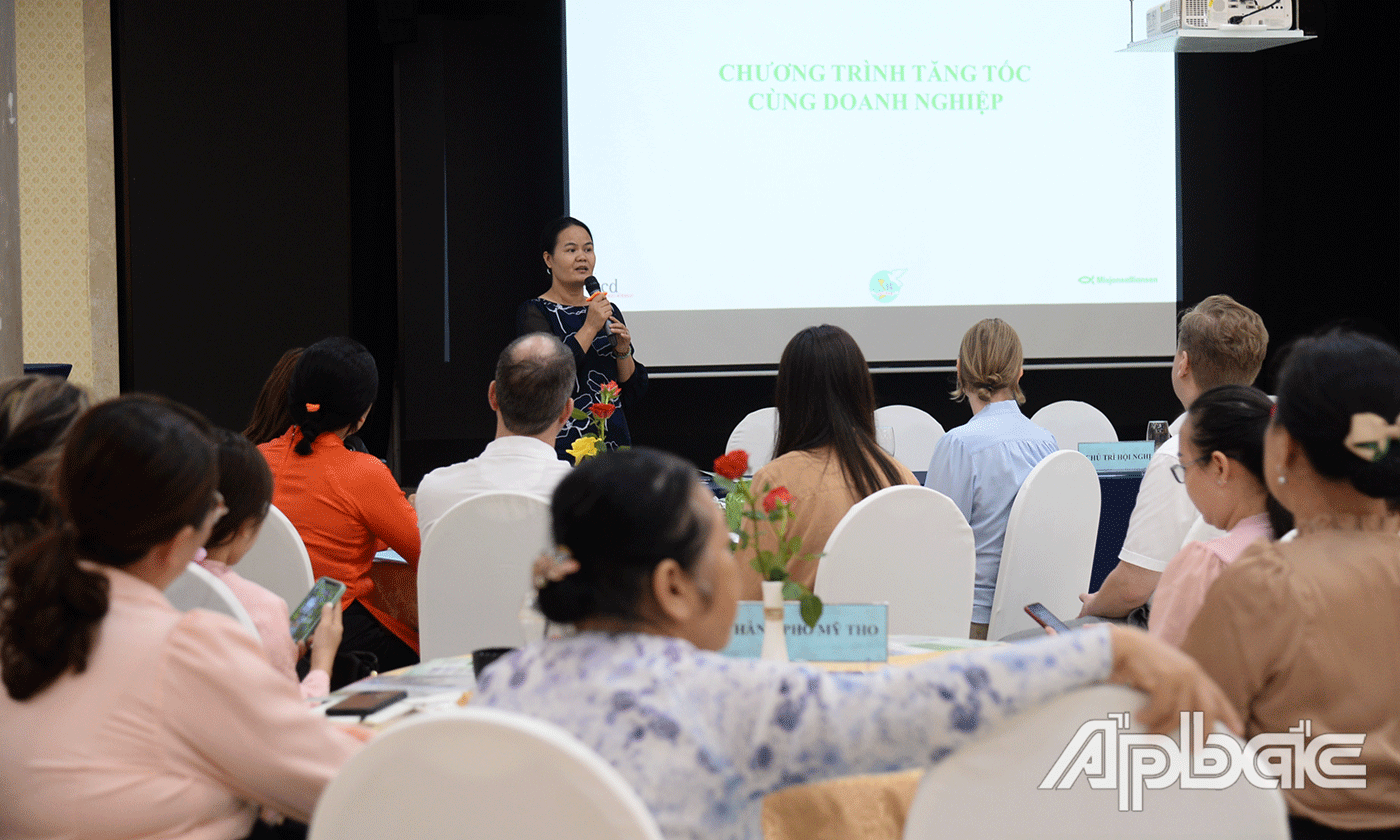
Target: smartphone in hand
{"points": [[308, 613], [1045, 618]]}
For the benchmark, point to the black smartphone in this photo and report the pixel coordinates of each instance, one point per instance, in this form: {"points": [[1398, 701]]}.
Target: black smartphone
{"points": [[308, 613], [1045, 618], [366, 703]]}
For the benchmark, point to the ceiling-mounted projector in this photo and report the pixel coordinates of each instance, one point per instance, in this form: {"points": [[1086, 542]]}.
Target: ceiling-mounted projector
{"points": [[1221, 15]]}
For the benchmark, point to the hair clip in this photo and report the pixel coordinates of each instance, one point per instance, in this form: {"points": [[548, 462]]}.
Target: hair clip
{"points": [[554, 566], [1370, 435], [313, 407]]}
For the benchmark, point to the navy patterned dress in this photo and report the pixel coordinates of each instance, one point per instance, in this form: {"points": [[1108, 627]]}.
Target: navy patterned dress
{"points": [[597, 365], [703, 737]]}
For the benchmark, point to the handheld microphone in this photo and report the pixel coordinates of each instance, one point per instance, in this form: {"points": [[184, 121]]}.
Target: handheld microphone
{"points": [[591, 286]]}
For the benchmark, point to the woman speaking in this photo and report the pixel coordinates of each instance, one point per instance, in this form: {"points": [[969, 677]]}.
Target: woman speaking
{"points": [[591, 327]]}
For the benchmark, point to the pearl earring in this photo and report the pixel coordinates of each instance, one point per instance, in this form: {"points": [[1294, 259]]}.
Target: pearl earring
{"points": [[1283, 479]]}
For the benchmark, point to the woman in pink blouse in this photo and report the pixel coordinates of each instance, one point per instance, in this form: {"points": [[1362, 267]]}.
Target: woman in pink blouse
{"points": [[123, 717], [246, 484], [1222, 466]]}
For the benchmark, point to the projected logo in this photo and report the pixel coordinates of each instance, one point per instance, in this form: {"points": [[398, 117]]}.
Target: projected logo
{"points": [[885, 285]]}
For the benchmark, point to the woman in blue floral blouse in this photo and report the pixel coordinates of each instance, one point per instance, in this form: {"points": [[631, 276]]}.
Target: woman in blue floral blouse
{"points": [[646, 573]]}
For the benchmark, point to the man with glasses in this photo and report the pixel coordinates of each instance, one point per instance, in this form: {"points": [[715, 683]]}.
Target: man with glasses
{"points": [[1218, 342]]}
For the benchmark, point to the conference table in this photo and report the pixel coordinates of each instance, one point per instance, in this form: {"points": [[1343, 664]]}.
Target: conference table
{"points": [[871, 807]]}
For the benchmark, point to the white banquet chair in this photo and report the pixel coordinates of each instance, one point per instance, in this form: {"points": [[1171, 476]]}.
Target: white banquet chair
{"points": [[199, 588], [916, 432], [910, 547], [474, 572], [278, 560], [1048, 553], [479, 773], [1073, 422], [992, 786], [755, 435]]}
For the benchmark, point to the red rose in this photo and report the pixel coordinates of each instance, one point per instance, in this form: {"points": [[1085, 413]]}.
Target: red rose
{"points": [[776, 496], [732, 465], [610, 391], [602, 410]]}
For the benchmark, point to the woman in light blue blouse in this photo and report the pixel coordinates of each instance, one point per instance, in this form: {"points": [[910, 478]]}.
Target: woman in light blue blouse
{"points": [[980, 465], [646, 572]]}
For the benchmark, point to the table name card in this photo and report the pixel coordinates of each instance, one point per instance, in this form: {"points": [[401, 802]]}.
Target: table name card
{"points": [[845, 633], [1119, 456]]}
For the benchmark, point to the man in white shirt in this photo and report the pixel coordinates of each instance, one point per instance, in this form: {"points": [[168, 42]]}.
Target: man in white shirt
{"points": [[531, 396], [1219, 342]]}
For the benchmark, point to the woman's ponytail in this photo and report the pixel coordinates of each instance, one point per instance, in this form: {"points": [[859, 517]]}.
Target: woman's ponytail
{"points": [[333, 385], [49, 613], [135, 472]]}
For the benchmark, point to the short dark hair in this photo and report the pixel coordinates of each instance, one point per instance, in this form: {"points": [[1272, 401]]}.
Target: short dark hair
{"points": [[1224, 340], [619, 515], [333, 385], [1232, 420], [245, 482], [550, 237], [532, 384], [1325, 381]]}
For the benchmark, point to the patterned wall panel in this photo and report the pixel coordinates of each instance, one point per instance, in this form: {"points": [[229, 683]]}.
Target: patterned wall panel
{"points": [[49, 54]]}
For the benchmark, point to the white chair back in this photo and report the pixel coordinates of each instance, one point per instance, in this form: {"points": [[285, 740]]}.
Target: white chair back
{"points": [[197, 587], [474, 572], [1048, 553], [479, 773], [755, 435], [991, 787], [916, 432], [1073, 422], [278, 560], [909, 546]]}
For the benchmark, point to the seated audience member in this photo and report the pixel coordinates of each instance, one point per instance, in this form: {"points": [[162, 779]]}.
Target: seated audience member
{"points": [[644, 569], [981, 464], [1219, 342], [271, 416], [1222, 468], [825, 452], [35, 415], [246, 485], [531, 396], [1309, 630], [346, 505], [124, 717]]}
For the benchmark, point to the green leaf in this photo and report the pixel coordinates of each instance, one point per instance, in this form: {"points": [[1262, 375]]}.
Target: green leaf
{"points": [[577, 414], [811, 609], [733, 513], [793, 591]]}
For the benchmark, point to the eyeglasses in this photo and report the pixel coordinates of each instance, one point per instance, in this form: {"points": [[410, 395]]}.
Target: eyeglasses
{"points": [[1179, 468]]}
